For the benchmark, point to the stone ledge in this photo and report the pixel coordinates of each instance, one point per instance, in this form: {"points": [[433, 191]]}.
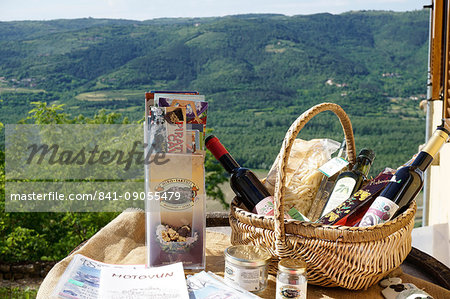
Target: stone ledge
{"points": [[21, 270]]}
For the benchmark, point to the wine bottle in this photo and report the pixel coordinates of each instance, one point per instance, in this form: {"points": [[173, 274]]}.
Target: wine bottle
{"points": [[254, 195], [405, 184], [348, 182], [331, 171]]}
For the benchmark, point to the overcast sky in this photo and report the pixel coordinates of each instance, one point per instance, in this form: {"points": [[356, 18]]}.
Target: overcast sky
{"points": [[150, 9]]}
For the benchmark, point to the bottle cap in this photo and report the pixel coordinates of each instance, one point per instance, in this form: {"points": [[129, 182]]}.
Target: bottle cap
{"points": [[292, 266], [213, 144], [247, 255], [367, 153]]}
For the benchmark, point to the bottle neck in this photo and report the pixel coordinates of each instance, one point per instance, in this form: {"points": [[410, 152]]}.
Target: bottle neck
{"points": [[342, 150], [221, 154], [425, 157], [228, 163], [362, 165]]}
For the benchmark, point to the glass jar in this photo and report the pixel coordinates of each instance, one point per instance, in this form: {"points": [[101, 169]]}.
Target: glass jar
{"points": [[291, 279], [247, 267]]}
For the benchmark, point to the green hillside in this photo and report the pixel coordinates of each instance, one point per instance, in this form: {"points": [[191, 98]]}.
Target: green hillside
{"points": [[259, 72]]}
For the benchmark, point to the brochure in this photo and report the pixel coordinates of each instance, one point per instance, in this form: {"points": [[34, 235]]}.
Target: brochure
{"points": [[82, 278], [196, 107], [167, 130], [86, 278], [158, 283], [196, 111]]}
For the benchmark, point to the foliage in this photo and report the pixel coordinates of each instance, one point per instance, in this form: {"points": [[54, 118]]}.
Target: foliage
{"points": [[259, 72], [18, 293], [49, 236], [43, 114], [215, 175]]}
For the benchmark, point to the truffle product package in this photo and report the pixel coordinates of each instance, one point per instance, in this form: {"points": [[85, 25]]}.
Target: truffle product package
{"points": [[175, 211], [175, 203]]}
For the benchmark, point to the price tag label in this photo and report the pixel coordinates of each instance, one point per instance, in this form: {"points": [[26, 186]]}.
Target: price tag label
{"points": [[333, 166]]}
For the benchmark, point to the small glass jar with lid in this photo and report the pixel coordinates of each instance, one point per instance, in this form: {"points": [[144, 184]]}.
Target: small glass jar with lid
{"points": [[247, 267], [291, 279]]}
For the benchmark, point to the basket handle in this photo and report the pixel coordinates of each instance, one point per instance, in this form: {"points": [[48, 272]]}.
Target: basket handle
{"points": [[285, 150]]}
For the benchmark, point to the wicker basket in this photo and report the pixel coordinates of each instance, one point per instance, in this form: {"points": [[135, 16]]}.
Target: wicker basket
{"points": [[349, 257]]}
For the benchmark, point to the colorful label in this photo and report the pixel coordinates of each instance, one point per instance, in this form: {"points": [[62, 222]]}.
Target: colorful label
{"points": [[289, 291], [380, 211], [333, 166], [295, 214], [248, 279], [176, 139], [186, 189], [264, 207], [341, 192]]}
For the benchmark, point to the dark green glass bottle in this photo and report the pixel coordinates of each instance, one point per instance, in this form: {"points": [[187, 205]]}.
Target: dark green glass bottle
{"points": [[348, 182]]}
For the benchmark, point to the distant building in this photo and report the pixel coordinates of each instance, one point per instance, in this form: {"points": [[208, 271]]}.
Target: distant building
{"points": [[330, 82]]}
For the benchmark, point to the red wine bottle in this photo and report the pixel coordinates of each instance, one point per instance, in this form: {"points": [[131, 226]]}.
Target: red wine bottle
{"points": [[405, 184], [253, 194]]}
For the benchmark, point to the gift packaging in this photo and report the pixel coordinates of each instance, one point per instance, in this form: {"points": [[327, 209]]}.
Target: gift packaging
{"points": [[175, 179]]}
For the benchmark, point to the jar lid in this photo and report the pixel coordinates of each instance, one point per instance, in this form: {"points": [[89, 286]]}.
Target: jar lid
{"points": [[247, 255], [292, 266]]}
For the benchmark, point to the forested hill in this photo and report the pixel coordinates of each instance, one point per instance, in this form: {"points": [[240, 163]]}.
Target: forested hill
{"points": [[259, 72]]}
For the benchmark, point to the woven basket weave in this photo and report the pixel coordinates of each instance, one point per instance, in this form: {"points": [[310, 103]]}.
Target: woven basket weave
{"points": [[349, 257]]}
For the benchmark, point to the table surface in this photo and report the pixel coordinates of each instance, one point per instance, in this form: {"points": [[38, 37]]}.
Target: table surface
{"points": [[433, 240], [122, 241], [218, 240]]}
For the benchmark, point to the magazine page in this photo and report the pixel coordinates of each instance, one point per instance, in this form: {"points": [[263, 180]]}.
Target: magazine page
{"points": [[82, 277], [167, 130], [196, 113], [164, 282], [196, 106]]}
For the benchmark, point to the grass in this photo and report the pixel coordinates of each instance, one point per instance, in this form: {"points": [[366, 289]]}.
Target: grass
{"points": [[109, 95], [17, 293]]}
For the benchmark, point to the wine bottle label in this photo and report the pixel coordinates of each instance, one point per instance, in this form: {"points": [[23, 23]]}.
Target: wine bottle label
{"points": [[381, 210], [341, 192], [264, 207], [333, 166]]}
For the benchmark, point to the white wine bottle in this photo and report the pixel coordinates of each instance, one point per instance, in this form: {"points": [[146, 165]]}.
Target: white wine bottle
{"points": [[405, 184], [348, 182]]}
